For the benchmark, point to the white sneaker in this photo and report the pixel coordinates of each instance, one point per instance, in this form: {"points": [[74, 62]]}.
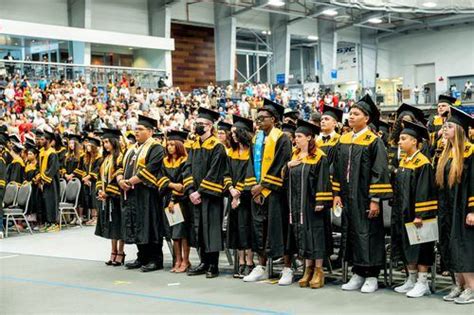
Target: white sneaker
{"points": [[407, 286], [420, 289], [258, 273], [370, 285], [355, 283], [455, 292], [1, 235], [466, 297], [286, 276]]}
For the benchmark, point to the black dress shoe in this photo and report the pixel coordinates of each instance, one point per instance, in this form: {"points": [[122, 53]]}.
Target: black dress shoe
{"points": [[212, 272], [199, 270], [150, 267], [134, 265]]}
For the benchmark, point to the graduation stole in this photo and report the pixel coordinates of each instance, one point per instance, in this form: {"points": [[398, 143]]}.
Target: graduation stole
{"points": [[142, 152], [19, 161], [107, 169], [174, 164], [44, 157], [30, 167], [269, 155]]}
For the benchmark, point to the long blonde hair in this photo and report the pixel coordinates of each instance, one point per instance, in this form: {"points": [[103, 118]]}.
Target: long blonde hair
{"points": [[453, 149]]}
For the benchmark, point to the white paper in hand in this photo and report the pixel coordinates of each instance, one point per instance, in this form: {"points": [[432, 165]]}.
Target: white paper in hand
{"points": [[176, 217], [427, 233]]}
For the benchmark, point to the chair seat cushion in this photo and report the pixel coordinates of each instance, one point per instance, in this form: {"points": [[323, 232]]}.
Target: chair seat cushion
{"points": [[66, 205], [13, 211]]}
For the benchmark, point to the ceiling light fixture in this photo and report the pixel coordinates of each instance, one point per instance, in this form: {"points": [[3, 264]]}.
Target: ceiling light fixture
{"points": [[375, 20], [266, 32], [276, 3], [312, 37], [429, 4], [330, 12]]}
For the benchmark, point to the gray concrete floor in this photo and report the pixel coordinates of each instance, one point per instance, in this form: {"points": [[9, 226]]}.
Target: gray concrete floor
{"points": [[59, 273]]}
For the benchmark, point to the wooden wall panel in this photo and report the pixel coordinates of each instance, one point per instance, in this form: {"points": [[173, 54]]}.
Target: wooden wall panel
{"points": [[193, 58]]}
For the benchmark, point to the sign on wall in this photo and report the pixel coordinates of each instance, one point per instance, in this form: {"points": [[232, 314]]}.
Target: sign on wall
{"points": [[347, 63]]}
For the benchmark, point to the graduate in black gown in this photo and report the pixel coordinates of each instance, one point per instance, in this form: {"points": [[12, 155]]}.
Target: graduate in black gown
{"points": [[142, 211], [360, 182], [49, 190], [3, 176], [172, 191], [309, 193], [271, 150], [329, 138], [16, 169], [31, 171], [109, 222], [72, 157], [239, 231], [90, 172], [455, 178], [415, 202], [204, 184], [435, 126]]}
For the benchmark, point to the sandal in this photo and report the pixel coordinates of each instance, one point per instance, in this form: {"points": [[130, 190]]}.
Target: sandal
{"points": [[183, 268], [116, 262], [112, 259]]}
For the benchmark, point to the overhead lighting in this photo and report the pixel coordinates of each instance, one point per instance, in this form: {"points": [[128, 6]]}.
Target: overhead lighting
{"points": [[266, 32], [130, 48], [429, 4], [375, 20], [276, 3], [329, 12], [312, 37]]}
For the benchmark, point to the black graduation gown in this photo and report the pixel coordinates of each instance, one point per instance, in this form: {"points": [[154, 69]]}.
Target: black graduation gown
{"points": [[414, 196], [436, 143], [204, 172], [49, 168], [16, 171], [89, 192], [360, 174], [457, 238], [3, 176], [270, 220], [142, 217], [239, 232], [71, 163], [109, 222], [173, 171], [31, 171], [308, 186]]}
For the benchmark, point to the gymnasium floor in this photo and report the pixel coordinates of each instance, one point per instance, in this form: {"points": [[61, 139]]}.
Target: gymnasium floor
{"points": [[60, 273]]}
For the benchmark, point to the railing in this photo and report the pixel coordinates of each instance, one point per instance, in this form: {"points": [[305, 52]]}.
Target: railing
{"points": [[97, 75]]}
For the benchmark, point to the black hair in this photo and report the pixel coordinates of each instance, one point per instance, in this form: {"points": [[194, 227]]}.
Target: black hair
{"points": [[116, 147], [398, 127], [244, 137]]}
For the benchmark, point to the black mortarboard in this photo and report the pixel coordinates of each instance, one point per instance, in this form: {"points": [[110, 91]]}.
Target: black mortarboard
{"points": [[367, 105], [18, 147], [3, 138], [461, 118], [3, 128], [39, 133], [48, 135], [14, 138], [66, 135], [111, 133], [307, 128], [407, 109], [415, 130], [158, 134], [57, 138], [98, 133], [288, 128], [293, 114], [384, 126], [208, 114], [446, 99], [177, 135], [131, 136], [222, 125], [31, 146], [241, 122], [273, 108], [147, 122], [334, 112], [75, 137], [93, 140]]}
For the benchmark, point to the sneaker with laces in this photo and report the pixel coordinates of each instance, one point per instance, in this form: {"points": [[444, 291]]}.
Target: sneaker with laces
{"points": [[258, 273], [370, 285], [466, 297], [53, 228], [286, 276], [455, 292], [407, 286], [355, 283], [420, 289]]}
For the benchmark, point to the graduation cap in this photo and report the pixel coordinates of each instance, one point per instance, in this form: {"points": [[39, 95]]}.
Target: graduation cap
{"points": [[407, 109], [461, 118], [17, 147], [446, 99], [75, 137], [94, 141], [66, 135], [14, 138], [367, 105], [48, 135], [221, 125], [415, 130], [334, 112], [241, 122], [39, 133], [3, 138], [383, 126], [291, 128], [3, 129], [158, 134], [290, 113], [98, 133], [307, 128], [57, 138], [148, 122], [31, 146], [275, 109], [111, 133], [208, 114], [177, 135]]}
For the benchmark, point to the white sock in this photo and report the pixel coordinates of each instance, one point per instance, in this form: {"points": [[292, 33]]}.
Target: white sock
{"points": [[423, 277], [412, 274]]}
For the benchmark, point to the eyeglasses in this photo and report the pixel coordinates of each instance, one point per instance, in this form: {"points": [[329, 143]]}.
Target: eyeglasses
{"points": [[262, 118]]}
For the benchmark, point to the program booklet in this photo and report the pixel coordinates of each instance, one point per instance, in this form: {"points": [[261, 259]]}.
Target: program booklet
{"points": [[176, 217], [427, 233]]}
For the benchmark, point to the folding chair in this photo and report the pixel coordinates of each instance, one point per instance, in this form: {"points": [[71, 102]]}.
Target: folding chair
{"points": [[71, 200], [387, 222], [337, 222], [18, 210], [62, 189], [11, 192]]}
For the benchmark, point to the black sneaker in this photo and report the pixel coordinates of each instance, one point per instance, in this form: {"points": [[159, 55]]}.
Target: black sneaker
{"points": [[238, 274], [247, 270]]}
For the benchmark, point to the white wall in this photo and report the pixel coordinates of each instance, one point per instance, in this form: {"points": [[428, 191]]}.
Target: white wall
{"points": [[304, 27], [450, 49], [126, 16], [36, 11], [202, 12]]}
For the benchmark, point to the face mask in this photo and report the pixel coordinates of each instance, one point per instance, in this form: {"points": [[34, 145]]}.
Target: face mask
{"points": [[200, 130]]}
